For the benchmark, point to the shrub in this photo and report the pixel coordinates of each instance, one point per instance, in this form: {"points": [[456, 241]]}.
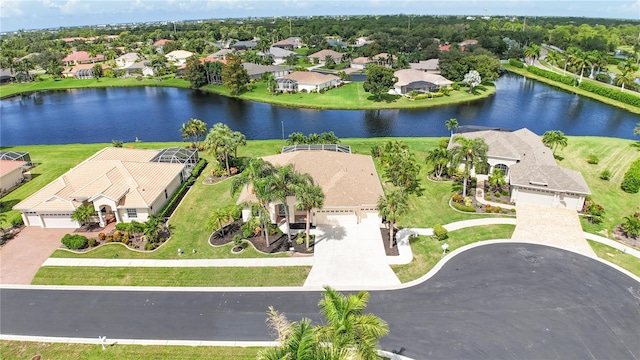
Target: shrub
{"points": [[300, 238], [108, 238], [516, 63], [603, 77], [513, 210], [117, 235], [443, 143], [496, 209], [631, 181], [149, 246], [457, 198], [504, 211], [567, 80], [468, 202], [125, 240], [593, 159], [464, 208], [122, 226], [488, 197], [440, 232], [92, 242], [505, 192], [237, 240], [605, 175], [593, 211], [611, 93], [17, 222], [497, 193], [74, 242]]}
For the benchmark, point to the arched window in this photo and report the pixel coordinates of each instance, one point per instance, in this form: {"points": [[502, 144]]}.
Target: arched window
{"points": [[502, 167]]}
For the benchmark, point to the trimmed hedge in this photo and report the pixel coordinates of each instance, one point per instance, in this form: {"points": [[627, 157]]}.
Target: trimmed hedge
{"points": [[182, 190], [75, 242], [567, 80], [631, 181], [464, 208], [615, 94], [516, 63]]}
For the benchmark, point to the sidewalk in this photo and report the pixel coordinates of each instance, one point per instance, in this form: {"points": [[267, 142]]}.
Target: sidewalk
{"points": [[251, 262]]}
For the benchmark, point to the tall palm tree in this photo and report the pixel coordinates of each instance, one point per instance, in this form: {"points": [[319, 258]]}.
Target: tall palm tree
{"points": [[471, 152], [348, 327], [497, 179], [553, 139], [83, 214], [283, 181], [299, 343], [554, 57], [219, 218], [193, 129], [439, 158], [392, 205], [224, 142], [309, 196], [626, 76], [581, 61], [272, 83], [451, 124], [532, 52]]}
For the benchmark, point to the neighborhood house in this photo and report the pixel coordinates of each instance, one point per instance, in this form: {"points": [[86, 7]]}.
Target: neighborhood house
{"points": [[349, 181], [121, 184], [307, 81], [417, 80], [10, 174], [530, 168]]}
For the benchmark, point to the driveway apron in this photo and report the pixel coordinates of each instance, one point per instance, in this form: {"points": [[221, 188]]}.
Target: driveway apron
{"points": [[348, 255], [550, 226]]}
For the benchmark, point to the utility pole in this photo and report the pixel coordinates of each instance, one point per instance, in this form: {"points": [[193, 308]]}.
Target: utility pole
{"points": [[290, 27]]}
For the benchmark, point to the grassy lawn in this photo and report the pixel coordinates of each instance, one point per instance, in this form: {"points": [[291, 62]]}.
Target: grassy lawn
{"points": [[427, 251], [349, 96], [615, 155], [209, 276], [70, 83], [625, 261], [572, 89], [13, 350]]}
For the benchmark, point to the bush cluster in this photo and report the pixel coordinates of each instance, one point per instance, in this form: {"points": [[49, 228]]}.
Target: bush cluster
{"points": [[567, 80], [75, 242], [593, 159], [605, 174], [611, 93], [440, 232], [516, 63], [462, 207], [631, 181]]}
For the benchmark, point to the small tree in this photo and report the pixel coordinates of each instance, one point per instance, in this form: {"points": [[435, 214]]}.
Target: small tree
{"points": [[83, 214], [97, 71], [392, 206], [472, 78], [631, 225], [379, 80], [194, 129], [497, 179], [451, 124], [553, 139], [440, 232]]}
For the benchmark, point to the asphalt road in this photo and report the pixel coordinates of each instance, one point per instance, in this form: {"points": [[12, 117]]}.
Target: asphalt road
{"points": [[496, 301]]}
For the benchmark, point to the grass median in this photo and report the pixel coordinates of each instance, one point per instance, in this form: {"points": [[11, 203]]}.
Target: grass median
{"points": [[615, 256], [178, 276], [14, 350], [428, 251]]}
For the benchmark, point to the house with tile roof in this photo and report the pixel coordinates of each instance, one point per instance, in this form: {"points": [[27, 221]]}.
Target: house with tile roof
{"points": [[256, 71], [320, 56], [11, 174], [417, 80], [178, 57], [309, 81], [127, 60], [289, 43], [350, 184], [530, 168], [278, 55], [431, 65], [81, 57], [121, 184], [361, 62]]}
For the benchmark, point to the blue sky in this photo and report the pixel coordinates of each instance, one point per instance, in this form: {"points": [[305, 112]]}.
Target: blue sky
{"points": [[36, 14]]}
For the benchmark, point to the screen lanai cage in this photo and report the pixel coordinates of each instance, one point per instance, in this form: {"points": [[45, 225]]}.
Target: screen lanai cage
{"points": [[16, 156], [188, 157]]}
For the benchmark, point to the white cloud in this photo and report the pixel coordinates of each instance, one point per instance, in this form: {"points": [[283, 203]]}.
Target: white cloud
{"points": [[11, 8]]}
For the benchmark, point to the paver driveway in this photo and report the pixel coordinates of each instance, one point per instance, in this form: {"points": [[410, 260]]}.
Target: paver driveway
{"points": [[21, 257]]}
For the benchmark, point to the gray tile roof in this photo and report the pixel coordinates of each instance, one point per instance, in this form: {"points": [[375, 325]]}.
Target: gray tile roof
{"points": [[255, 69], [549, 177]]}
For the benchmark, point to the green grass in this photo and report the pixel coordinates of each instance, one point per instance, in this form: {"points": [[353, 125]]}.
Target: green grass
{"points": [[427, 251], [573, 89], [190, 276], [70, 83], [14, 350], [350, 96], [625, 261], [615, 155]]}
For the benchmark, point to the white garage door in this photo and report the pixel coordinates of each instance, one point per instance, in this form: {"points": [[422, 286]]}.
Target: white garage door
{"points": [[34, 220], [336, 217], [535, 197], [59, 221], [370, 217]]}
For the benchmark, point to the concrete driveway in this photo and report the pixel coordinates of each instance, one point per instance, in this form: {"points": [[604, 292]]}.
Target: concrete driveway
{"points": [[350, 255], [21, 257], [550, 226]]}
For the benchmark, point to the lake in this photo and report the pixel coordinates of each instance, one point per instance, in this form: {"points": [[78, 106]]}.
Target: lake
{"points": [[156, 114]]}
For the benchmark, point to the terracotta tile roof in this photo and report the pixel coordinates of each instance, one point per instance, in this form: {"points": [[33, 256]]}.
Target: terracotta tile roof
{"points": [[346, 179], [7, 166], [323, 53], [123, 175], [444, 47], [161, 42], [82, 56], [310, 77]]}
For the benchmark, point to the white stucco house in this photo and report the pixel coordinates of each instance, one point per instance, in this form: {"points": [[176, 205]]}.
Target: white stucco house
{"points": [[308, 81], [530, 168], [349, 181], [178, 57], [121, 184], [10, 174], [127, 60], [321, 55], [417, 80]]}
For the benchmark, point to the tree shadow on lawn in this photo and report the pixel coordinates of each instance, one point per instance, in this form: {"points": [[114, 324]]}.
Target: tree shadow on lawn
{"points": [[388, 98]]}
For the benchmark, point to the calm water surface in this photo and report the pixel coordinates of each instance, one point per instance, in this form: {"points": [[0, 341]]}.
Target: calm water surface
{"points": [[156, 114]]}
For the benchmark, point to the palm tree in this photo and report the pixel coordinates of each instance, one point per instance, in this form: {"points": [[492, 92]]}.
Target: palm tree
{"points": [[626, 76], [581, 60], [439, 157], [554, 57], [222, 141], [553, 139], [496, 178], [256, 177], [451, 124], [348, 327], [272, 83], [471, 152], [194, 129], [219, 218], [391, 206], [309, 196], [631, 225], [532, 52], [283, 181], [83, 214], [299, 343]]}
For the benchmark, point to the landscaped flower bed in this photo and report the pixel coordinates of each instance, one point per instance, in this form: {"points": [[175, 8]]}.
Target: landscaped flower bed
{"points": [[135, 241], [278, 242]]}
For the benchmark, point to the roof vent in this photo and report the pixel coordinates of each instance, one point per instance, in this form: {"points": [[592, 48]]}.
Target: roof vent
{"points": [[538, 183]]}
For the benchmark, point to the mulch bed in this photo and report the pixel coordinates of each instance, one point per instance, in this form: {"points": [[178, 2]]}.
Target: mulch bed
{"points": [[385, 242], [136, 242], [90, 227], [278, 243], [619, 235]]}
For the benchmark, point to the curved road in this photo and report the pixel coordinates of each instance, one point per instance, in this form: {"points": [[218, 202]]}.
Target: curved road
{"points": [[519, 301]]}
